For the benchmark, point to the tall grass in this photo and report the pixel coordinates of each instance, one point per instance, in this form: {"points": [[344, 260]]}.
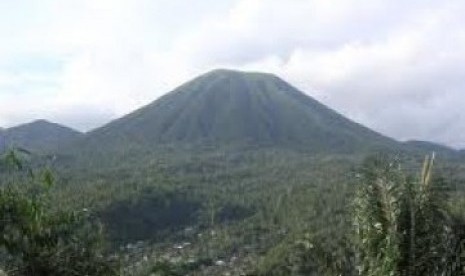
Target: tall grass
{"points": [[402, 222]]}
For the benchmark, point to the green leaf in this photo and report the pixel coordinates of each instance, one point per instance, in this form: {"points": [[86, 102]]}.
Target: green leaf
{"points": [[48, 179]]}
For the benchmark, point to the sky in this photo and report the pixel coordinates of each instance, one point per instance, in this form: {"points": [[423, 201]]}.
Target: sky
{"points": [[395, 66]]}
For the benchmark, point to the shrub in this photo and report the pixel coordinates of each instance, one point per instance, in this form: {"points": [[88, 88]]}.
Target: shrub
{"points": [[37, 241], [402, 222]]}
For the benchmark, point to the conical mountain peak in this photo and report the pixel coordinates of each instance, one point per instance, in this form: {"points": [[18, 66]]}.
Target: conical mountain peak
{"points": [[233, 107], [237, 73]]}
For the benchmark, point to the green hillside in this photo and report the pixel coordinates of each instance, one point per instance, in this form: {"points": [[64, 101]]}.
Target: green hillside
{"points": [[226, 107], [39, 135], [432, 147], [236, 173]]}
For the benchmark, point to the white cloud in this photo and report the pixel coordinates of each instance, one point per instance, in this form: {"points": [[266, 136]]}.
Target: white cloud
{"points": [[395, 66]]}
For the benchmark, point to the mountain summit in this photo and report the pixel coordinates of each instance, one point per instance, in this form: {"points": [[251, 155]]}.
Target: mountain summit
{"points": [[233, 107], [40, 135]]}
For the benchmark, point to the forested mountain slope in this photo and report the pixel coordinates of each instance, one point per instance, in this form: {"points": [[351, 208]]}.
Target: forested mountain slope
{"points": [[39, 135], [225, 107]]}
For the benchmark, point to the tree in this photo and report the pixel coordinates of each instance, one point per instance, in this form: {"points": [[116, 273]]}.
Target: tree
{"points": [[37, 240]]}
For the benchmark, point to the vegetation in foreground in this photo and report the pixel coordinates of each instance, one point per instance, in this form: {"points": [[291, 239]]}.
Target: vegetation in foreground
{"points": [[379, 220], [37, 241], [403, 224]]}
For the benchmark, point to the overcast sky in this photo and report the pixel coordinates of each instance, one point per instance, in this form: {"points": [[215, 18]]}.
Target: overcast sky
{"points": [[396, 66]]}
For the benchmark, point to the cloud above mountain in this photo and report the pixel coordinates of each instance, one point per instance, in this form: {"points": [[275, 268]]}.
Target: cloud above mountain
{"points": [[395, 66]]}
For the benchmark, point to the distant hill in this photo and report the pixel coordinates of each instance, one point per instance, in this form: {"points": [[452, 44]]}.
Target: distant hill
{"points": [[221, 108], [429, 147], [39, 135], [225, 107]]}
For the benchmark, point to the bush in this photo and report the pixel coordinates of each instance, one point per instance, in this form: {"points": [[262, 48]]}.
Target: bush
{"points": [[403, 226], [38, 241]]}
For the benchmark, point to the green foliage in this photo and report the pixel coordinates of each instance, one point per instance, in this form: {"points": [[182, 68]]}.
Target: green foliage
{"points": [[230, 173], [402, 223], [166, 268], [273, 212], [157, 211], [38, 241], [307, 255]]}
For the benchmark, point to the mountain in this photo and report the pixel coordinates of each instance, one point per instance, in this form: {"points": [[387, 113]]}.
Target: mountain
{"points": [[225, 107], [429, 147], [39, 135], [2, 139]]}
